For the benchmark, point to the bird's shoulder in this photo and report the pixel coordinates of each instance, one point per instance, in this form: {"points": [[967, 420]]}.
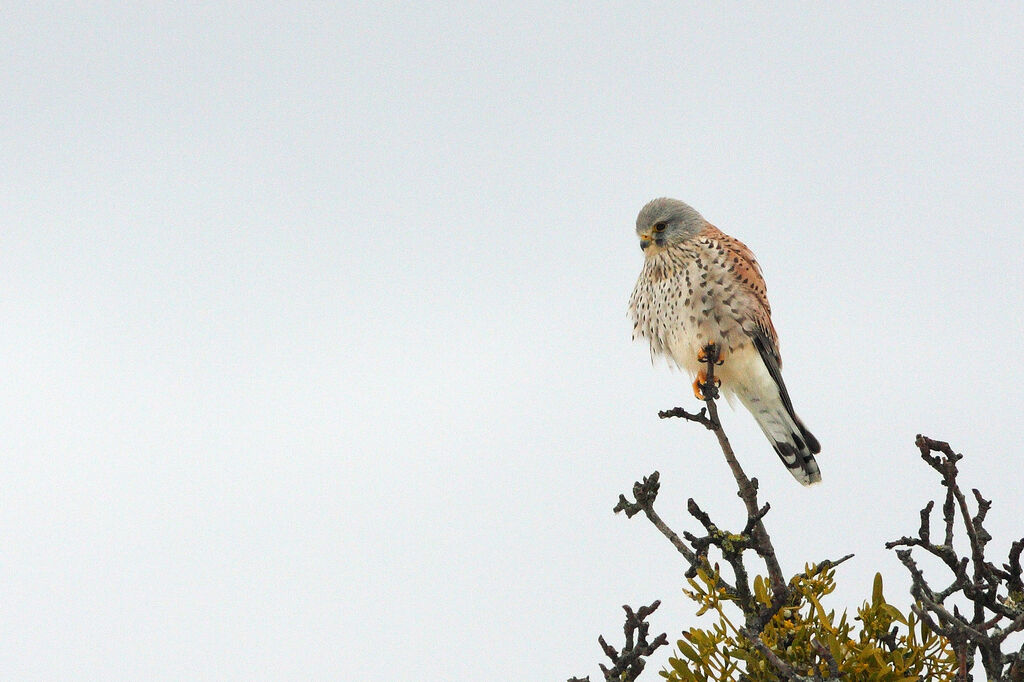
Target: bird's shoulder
{"points": [[738, 259], [732, 247], [745, 271]]}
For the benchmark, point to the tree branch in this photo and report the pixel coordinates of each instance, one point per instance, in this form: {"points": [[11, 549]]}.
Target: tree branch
{"points": [[761, 542], [629, 663], [732, 546], [993, 617]]}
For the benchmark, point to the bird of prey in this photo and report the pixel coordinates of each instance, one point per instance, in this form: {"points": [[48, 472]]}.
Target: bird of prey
{"points": [[700, 286]]}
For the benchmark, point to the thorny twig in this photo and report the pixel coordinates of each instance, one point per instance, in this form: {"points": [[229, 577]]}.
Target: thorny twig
{"points": [[996, 594], [629, 663]]}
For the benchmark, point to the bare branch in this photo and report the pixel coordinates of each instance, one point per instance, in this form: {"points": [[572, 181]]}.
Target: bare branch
{"points": [[993, 618], [629, 663], [747, 487], [699, 417]]}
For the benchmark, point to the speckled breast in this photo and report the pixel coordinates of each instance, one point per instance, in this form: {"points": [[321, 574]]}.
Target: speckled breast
{"points": [[684, 298]]}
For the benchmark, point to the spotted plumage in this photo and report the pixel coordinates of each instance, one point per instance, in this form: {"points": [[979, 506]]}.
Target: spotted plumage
{"points": [[699, 286]]}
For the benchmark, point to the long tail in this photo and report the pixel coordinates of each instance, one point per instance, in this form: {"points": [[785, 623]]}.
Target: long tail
{"points": [[795, 445]]}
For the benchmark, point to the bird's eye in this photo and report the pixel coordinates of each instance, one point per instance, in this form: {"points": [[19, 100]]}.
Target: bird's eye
{"points": [[659, 227]]}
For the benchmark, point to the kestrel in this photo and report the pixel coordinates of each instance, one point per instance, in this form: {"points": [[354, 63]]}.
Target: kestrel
{"points": [[700, 286]]}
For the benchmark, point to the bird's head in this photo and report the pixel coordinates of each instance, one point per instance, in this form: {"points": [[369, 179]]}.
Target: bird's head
{"points": [[664, 222]]}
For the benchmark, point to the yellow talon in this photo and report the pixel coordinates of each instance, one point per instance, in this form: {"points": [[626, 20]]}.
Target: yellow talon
{"points": [[702, 378], [696, 385]]}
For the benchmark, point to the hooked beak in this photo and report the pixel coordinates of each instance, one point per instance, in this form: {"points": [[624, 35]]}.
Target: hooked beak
{"points": [[645, 241]]}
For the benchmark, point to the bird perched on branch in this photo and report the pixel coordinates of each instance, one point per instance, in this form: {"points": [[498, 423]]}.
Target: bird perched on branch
{"points": [[700, 286]]}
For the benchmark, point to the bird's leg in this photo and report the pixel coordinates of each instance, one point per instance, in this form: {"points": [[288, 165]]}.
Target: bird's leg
{"points": [[711, 349], [702, 389]]}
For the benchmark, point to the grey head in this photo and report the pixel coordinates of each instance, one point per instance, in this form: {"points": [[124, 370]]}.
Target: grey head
{"points": [[663, 222]]}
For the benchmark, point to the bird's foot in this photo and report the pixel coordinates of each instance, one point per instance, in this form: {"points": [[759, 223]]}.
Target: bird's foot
{"points": [[702, 389], [711, 350]]}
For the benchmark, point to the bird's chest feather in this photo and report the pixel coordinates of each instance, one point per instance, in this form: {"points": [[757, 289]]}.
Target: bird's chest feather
{"points": [[685, 298]]}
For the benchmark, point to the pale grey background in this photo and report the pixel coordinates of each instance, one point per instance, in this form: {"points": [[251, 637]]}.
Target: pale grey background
{"points": [[314, 349]]}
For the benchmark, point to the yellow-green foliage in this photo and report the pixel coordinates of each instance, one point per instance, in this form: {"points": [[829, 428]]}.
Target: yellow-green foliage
{"points": [[722, 653]]}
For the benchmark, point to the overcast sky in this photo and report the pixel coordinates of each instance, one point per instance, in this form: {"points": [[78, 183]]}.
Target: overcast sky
{"points": [[314, 350]]}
